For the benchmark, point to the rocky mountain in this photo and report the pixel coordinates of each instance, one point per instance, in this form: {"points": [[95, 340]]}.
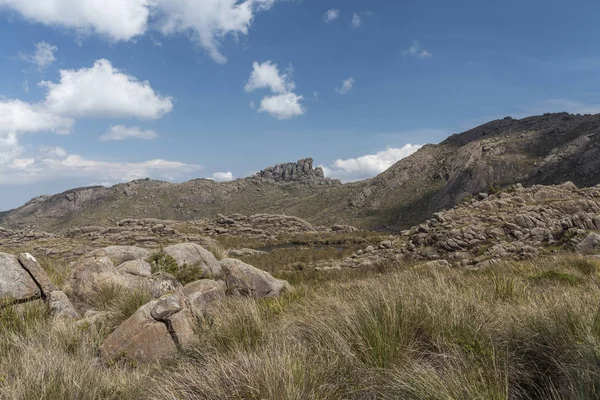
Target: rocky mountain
{"points": [[547, 149]]}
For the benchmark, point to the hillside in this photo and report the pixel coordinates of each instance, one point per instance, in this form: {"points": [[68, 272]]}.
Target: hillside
{"points": [[547, 149]]}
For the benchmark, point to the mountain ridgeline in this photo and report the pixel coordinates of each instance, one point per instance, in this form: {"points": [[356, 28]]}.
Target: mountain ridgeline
{"points": [[547, 149]]}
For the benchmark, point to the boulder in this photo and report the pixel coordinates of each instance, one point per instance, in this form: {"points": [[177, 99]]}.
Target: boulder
{"points": [[15, 282], [589, 245], [136, 267], [202, 293], [145, 339], [193, 254], [90, 274], [245, 280], [37, 273], [438, 264], [140, 338], [60, 306], [120, 254]]}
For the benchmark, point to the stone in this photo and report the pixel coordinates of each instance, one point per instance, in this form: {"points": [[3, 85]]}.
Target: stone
{"points": [[193, 254], [37, 273], [145, 339], [202, 293], [140, 338], [438, 264], [386, 244], [166, 306], [60, 306], [120, 254], [136, 267], [589, 245], [245, 280], [16, 285]]}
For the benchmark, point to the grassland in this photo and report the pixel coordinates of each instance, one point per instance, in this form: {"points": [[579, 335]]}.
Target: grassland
{"points": [[527, 330]]}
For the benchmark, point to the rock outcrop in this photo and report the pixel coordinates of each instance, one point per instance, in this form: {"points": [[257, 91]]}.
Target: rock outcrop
{"points": [[301, 171]]}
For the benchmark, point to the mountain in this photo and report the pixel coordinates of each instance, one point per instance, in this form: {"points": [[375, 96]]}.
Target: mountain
{"points": [[546, 149]]}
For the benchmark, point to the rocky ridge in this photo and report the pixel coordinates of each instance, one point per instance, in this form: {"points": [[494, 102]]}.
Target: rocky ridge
{"points": [[546, 149]]}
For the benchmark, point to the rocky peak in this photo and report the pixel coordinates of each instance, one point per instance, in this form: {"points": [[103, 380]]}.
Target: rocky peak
{"points": [[300, 171]]}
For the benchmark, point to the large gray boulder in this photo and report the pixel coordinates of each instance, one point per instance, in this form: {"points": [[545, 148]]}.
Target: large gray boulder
{"points": [[196, 255], [590, 245], [15, 282], [245, 280]]}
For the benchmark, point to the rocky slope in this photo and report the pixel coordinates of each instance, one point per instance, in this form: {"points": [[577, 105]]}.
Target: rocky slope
{"points": [[547, 149], [514, 224]]}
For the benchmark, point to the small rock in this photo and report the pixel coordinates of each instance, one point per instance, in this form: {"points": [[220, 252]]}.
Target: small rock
{"points": [[60, 306]]}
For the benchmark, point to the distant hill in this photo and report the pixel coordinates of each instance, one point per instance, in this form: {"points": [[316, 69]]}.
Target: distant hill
{"points": [[547, 149]]}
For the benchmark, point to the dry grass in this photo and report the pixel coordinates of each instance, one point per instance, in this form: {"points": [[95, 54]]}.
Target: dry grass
{"points": [[393, 333]]}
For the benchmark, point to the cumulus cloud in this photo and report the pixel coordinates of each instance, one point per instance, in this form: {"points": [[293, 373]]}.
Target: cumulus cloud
{"points": [[222, 176], [43, 56], [56, 163], [121, 132], [346, 87], [356, 20], [104, 91], [415, 50], [368, 166], [284, 104], [115, 19], [207, 21], [268, 76], [331, 15], [20, 117]]}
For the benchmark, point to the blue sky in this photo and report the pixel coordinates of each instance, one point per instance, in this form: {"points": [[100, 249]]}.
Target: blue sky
{"points": [[99, 92]]}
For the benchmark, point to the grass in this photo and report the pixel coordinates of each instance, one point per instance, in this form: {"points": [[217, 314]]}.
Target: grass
{"points": [[521, 330]]}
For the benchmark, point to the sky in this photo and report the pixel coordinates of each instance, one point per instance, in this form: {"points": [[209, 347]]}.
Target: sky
{"points": [[97, 92]]}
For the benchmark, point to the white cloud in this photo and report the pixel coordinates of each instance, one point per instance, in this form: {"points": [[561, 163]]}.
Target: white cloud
{"points": [[346, 87], [55, 163], [115, 19], [223, 176], [104, 91], [121, 132], [208, 21], [285, 103], [331, 15], [43, 56], [53, 152], [368, 166], [252, 105], [20, 117], [26, 86], [415, 50], [267, 76], [356, 20], [283, 106]]}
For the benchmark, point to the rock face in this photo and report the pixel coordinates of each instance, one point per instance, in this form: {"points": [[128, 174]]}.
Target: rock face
{"points": [[15, 282], [35, 270], [245, 280]]}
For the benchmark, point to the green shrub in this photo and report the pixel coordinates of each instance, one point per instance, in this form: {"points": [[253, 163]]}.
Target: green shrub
{"points": [[162, 262]]}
